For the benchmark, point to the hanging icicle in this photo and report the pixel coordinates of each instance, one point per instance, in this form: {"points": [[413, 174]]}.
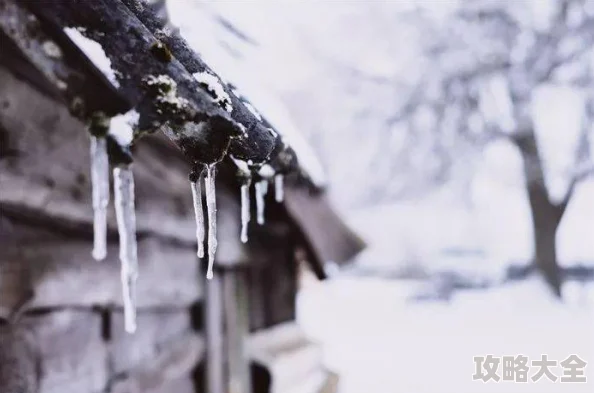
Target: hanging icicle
{"points": [[279, 191], [245, 210], [100, 191], [264, 187], [199, 215], [124, 205], [211, 209], [261, 190]]}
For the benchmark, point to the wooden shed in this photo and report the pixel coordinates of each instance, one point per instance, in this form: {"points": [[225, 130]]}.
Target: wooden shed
{"points": [[61, 311]]}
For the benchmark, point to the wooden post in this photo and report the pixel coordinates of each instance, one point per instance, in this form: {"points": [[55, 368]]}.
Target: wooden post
{"points": [[227, 331], [235, 301], [215, 375]]}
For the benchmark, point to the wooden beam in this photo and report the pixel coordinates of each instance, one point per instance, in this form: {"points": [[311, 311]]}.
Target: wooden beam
{"points": [[214, 333], [257, 127], [236, 308], [159, 87], [70, 75]]}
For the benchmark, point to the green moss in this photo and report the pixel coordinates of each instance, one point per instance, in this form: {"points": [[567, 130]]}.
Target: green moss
{"points": [[167, 103], [77, 107], [99, 124], [161, 52]]}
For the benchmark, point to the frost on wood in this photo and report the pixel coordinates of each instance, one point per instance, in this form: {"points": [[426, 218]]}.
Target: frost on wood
{"points": [[215, 88], [199, 214], [245, 210], [167, 99], [279, 192], [211, 209], [100, 190], [124, 205], [261, 191], [252, 110], [94, 51]]}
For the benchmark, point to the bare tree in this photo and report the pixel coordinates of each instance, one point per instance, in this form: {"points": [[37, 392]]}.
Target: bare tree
{"points": [[502, 44]]}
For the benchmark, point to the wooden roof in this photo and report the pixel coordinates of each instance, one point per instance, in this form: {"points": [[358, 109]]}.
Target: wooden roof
{"points": [[43, 175]]}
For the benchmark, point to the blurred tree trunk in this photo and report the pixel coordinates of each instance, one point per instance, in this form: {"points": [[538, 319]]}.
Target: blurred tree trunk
{"points": [[546, 215], [545, 220]]}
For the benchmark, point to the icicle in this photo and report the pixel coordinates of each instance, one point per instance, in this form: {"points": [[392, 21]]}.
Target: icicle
{"points": [[261, 190], [124, 205], [100, 190], [245, 210], [279, 192], [198, 213], [264, 187], [211, 209]]}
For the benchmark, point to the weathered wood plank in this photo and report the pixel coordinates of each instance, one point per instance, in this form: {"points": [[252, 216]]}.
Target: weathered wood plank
{"points": [[179, 385], [168, 371], [138, 56], [51, 270], [273, 278], [40, 131], [72, 353], [235, 311], [18, 361], [256, 124], [214, 334], [156, 331], [59, 67], [290, 357], [328, 238]]}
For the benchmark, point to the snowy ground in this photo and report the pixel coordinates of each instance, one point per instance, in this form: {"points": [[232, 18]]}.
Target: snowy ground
{"points": [[381, 342]]}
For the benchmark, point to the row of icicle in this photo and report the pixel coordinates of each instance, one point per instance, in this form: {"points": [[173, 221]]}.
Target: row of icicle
{"points": [[261, 188], [123, 184], [126, 218]]}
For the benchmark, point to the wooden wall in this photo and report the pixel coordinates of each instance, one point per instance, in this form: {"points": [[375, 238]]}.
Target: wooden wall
{"points": [[85, 350], [61, 328]]}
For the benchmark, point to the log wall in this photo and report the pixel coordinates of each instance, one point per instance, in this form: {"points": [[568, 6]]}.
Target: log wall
{"points": [[61, 325]]}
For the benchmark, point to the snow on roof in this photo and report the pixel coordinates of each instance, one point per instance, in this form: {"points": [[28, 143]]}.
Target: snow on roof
{"points": [[199, 27], [94, 51], [276, 114], [122, 127], [214, 86]]}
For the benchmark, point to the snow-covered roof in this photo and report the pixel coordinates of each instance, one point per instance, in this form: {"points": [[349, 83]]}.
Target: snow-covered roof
{"points": [[94, 52], [198, 27], [276, 114]]}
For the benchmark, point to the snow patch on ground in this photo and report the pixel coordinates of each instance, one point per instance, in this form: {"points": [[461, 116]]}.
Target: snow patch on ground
{"points": [[379, 341]]}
